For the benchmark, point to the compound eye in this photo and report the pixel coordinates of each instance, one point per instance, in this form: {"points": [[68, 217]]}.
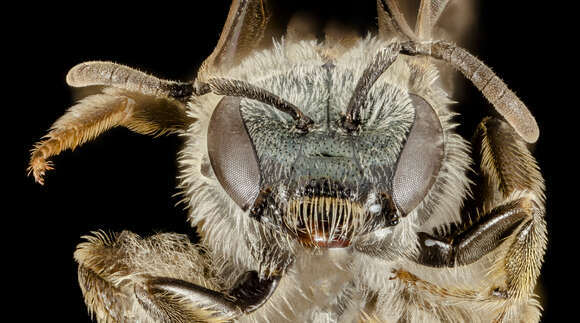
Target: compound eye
{"points": [[421, 158], [232, 153]]}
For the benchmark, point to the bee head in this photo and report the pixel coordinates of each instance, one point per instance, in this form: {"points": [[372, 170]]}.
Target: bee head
{"points": [[288, 151]]}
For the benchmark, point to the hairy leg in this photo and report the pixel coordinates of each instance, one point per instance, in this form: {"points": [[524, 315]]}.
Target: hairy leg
{"points": [[162, 278], [510, 204]]}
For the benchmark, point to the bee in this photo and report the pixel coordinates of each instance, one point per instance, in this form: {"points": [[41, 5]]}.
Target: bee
{"points": [[326, 180]]}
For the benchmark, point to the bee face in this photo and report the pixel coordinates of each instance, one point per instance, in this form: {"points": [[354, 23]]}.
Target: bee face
{"points": [[327, 185], [296, 146]]}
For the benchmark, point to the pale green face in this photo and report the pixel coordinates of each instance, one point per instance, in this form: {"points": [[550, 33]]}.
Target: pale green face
{"points": [[327, 151], [327, 185]]}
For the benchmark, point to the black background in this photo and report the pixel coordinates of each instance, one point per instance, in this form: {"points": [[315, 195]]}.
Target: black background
{"points": [[127, 181]]}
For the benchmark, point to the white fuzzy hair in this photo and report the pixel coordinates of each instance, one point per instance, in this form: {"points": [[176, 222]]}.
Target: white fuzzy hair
{"points": [[233, 236]]}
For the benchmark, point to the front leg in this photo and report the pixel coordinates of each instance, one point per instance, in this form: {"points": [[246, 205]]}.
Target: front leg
{"points": [[511, 225], [466, 247], [166, 299], [163, 278]]}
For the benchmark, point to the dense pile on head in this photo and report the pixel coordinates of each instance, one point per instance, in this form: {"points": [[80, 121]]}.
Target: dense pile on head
{"points": [[327, 185]]}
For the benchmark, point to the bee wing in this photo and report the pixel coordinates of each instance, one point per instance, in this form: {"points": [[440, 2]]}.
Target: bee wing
{"points": [[242, 32], [434, 19], [454, 20]]}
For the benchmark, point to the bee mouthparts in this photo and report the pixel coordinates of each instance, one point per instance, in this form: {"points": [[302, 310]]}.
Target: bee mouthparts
{"points": [[324, 222]]}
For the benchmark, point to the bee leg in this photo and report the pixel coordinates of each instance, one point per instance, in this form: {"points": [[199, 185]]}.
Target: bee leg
{"points": [[511, 198], [510, 174], [130, 98], [162, 295], [478, 240], [165, 278], [511, 227]]}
